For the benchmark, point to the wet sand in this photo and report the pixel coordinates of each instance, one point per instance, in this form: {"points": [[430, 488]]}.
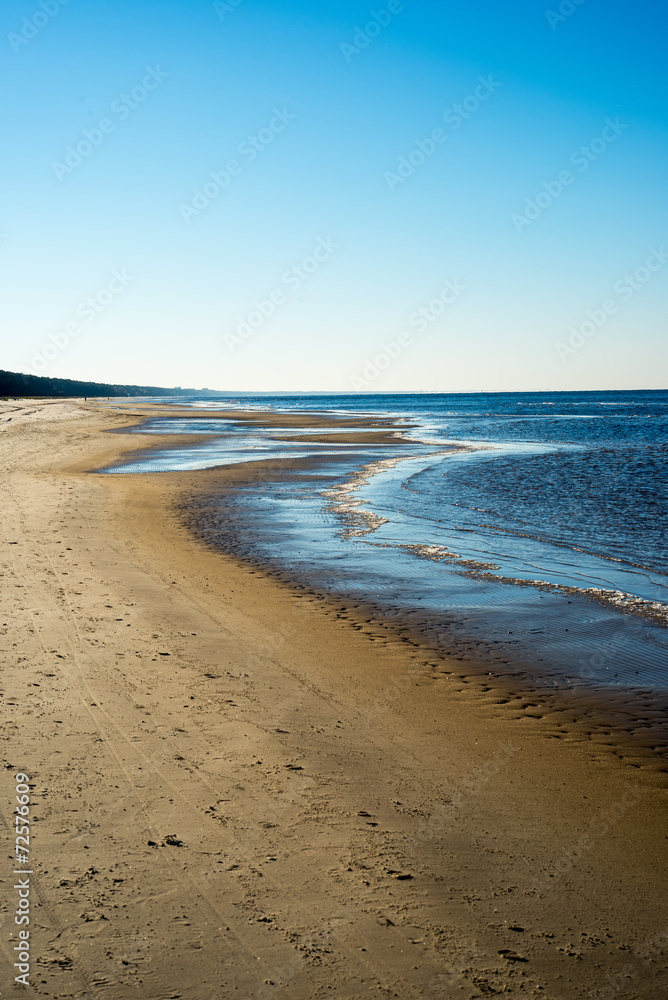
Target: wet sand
{"points": [[242, 789]]}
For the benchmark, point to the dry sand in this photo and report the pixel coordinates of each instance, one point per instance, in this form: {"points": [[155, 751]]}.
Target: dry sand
{"points": [[240, 791]]}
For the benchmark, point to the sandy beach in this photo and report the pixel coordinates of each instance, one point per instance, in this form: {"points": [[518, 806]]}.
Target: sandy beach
{"points": [[243, 790]]}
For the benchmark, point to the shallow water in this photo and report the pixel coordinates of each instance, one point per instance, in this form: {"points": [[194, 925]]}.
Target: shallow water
{"points": [[542, 542]]}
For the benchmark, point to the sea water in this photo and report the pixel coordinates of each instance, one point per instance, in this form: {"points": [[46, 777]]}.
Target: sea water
{"points": [[527, 527]]}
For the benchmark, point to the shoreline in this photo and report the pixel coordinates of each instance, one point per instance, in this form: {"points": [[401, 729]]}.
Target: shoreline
{"points": [[346, 813], [358, 522], [637, 712]]}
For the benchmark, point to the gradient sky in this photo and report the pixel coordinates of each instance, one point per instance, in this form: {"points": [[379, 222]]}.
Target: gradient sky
{"points": [[223, 69]]}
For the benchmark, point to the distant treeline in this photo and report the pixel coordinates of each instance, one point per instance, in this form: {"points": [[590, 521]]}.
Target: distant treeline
{"points": [[15, 384]]}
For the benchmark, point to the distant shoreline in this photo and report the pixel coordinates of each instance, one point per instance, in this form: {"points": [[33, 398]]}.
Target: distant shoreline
{"points": [[16, 385]]}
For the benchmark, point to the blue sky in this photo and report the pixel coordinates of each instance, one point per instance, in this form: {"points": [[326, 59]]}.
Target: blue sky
{"points": [[306, 265]]}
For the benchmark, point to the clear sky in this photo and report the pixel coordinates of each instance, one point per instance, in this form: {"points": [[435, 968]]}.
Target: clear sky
{"points": [[324, 196]]}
